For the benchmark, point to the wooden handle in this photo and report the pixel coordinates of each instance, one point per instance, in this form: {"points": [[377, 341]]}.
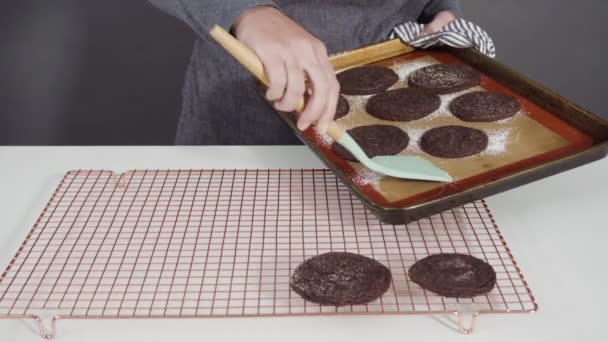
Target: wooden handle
{"points": [[252, 62], [245, 56]]}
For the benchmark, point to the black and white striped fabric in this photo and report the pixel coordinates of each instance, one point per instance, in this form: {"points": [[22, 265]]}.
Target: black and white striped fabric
{"points": [[459, 34]]}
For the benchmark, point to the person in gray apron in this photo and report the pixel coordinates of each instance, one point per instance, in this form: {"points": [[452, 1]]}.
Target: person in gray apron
{"points": [[293, 38]]}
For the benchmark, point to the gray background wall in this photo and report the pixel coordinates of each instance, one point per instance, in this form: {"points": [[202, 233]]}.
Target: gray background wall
{"points": [[109, 72]]}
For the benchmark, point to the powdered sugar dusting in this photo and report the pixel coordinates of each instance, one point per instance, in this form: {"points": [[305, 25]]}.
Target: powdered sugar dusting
{"points": [[325, 139], [357, 103], [367, 176], [415, 134], [405, 69], [497, 141]]}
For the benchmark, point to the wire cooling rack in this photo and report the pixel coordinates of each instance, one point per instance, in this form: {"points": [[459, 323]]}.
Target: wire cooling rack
{"points": [[223, 243]]}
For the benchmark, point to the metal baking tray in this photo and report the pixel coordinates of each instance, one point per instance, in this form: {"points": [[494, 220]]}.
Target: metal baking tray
{"points": [[549, 136]]}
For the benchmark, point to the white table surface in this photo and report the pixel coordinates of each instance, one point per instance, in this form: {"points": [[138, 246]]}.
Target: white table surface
{"points": [[556, 229]]}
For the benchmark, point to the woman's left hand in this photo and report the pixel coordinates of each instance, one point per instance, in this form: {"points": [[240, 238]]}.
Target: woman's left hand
{"points": [[441, 19]]}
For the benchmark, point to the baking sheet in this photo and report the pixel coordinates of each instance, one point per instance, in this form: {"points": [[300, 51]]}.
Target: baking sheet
{"points": [[531, 133], [510, 140]]}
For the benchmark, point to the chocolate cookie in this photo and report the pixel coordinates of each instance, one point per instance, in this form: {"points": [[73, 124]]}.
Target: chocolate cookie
{"points": [[342, 109], [453, 275], [366, 80], [340, 278], [484, 106], [453, 141], [375, 140], [406, 104], [445, 78]]}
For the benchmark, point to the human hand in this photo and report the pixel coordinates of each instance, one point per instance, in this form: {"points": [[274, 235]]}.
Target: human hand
{"points": [[289, 54], [441, 19]]}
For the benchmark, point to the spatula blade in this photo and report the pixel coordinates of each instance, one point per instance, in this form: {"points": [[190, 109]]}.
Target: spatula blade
{"points": [[410, 167]]}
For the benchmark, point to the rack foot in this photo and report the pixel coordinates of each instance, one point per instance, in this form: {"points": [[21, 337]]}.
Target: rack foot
{"points": [[119, 180], [42, 329], [466, 321]]}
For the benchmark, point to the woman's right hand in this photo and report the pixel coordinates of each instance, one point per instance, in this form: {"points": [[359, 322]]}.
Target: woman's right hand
{"points": [[289, 54]]}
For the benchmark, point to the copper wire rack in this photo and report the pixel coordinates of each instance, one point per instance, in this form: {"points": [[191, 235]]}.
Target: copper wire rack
{"points": [[223, 243]]}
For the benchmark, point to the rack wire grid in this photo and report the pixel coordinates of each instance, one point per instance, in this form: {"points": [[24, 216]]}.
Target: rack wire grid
{"points": [[223, 243]]}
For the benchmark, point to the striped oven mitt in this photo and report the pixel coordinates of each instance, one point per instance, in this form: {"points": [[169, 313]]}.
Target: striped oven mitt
{"points": [[459, 34]]}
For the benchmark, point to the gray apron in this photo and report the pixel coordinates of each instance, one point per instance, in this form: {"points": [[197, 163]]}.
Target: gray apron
{"points": [[220, 105]]}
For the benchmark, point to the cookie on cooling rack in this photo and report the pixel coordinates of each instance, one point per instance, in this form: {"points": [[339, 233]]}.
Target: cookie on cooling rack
{"points": [[366, 80], [453, 275], [340, 278]]}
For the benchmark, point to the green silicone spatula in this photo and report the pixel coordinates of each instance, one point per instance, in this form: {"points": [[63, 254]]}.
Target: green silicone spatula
{"points": [[408, 167]]}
